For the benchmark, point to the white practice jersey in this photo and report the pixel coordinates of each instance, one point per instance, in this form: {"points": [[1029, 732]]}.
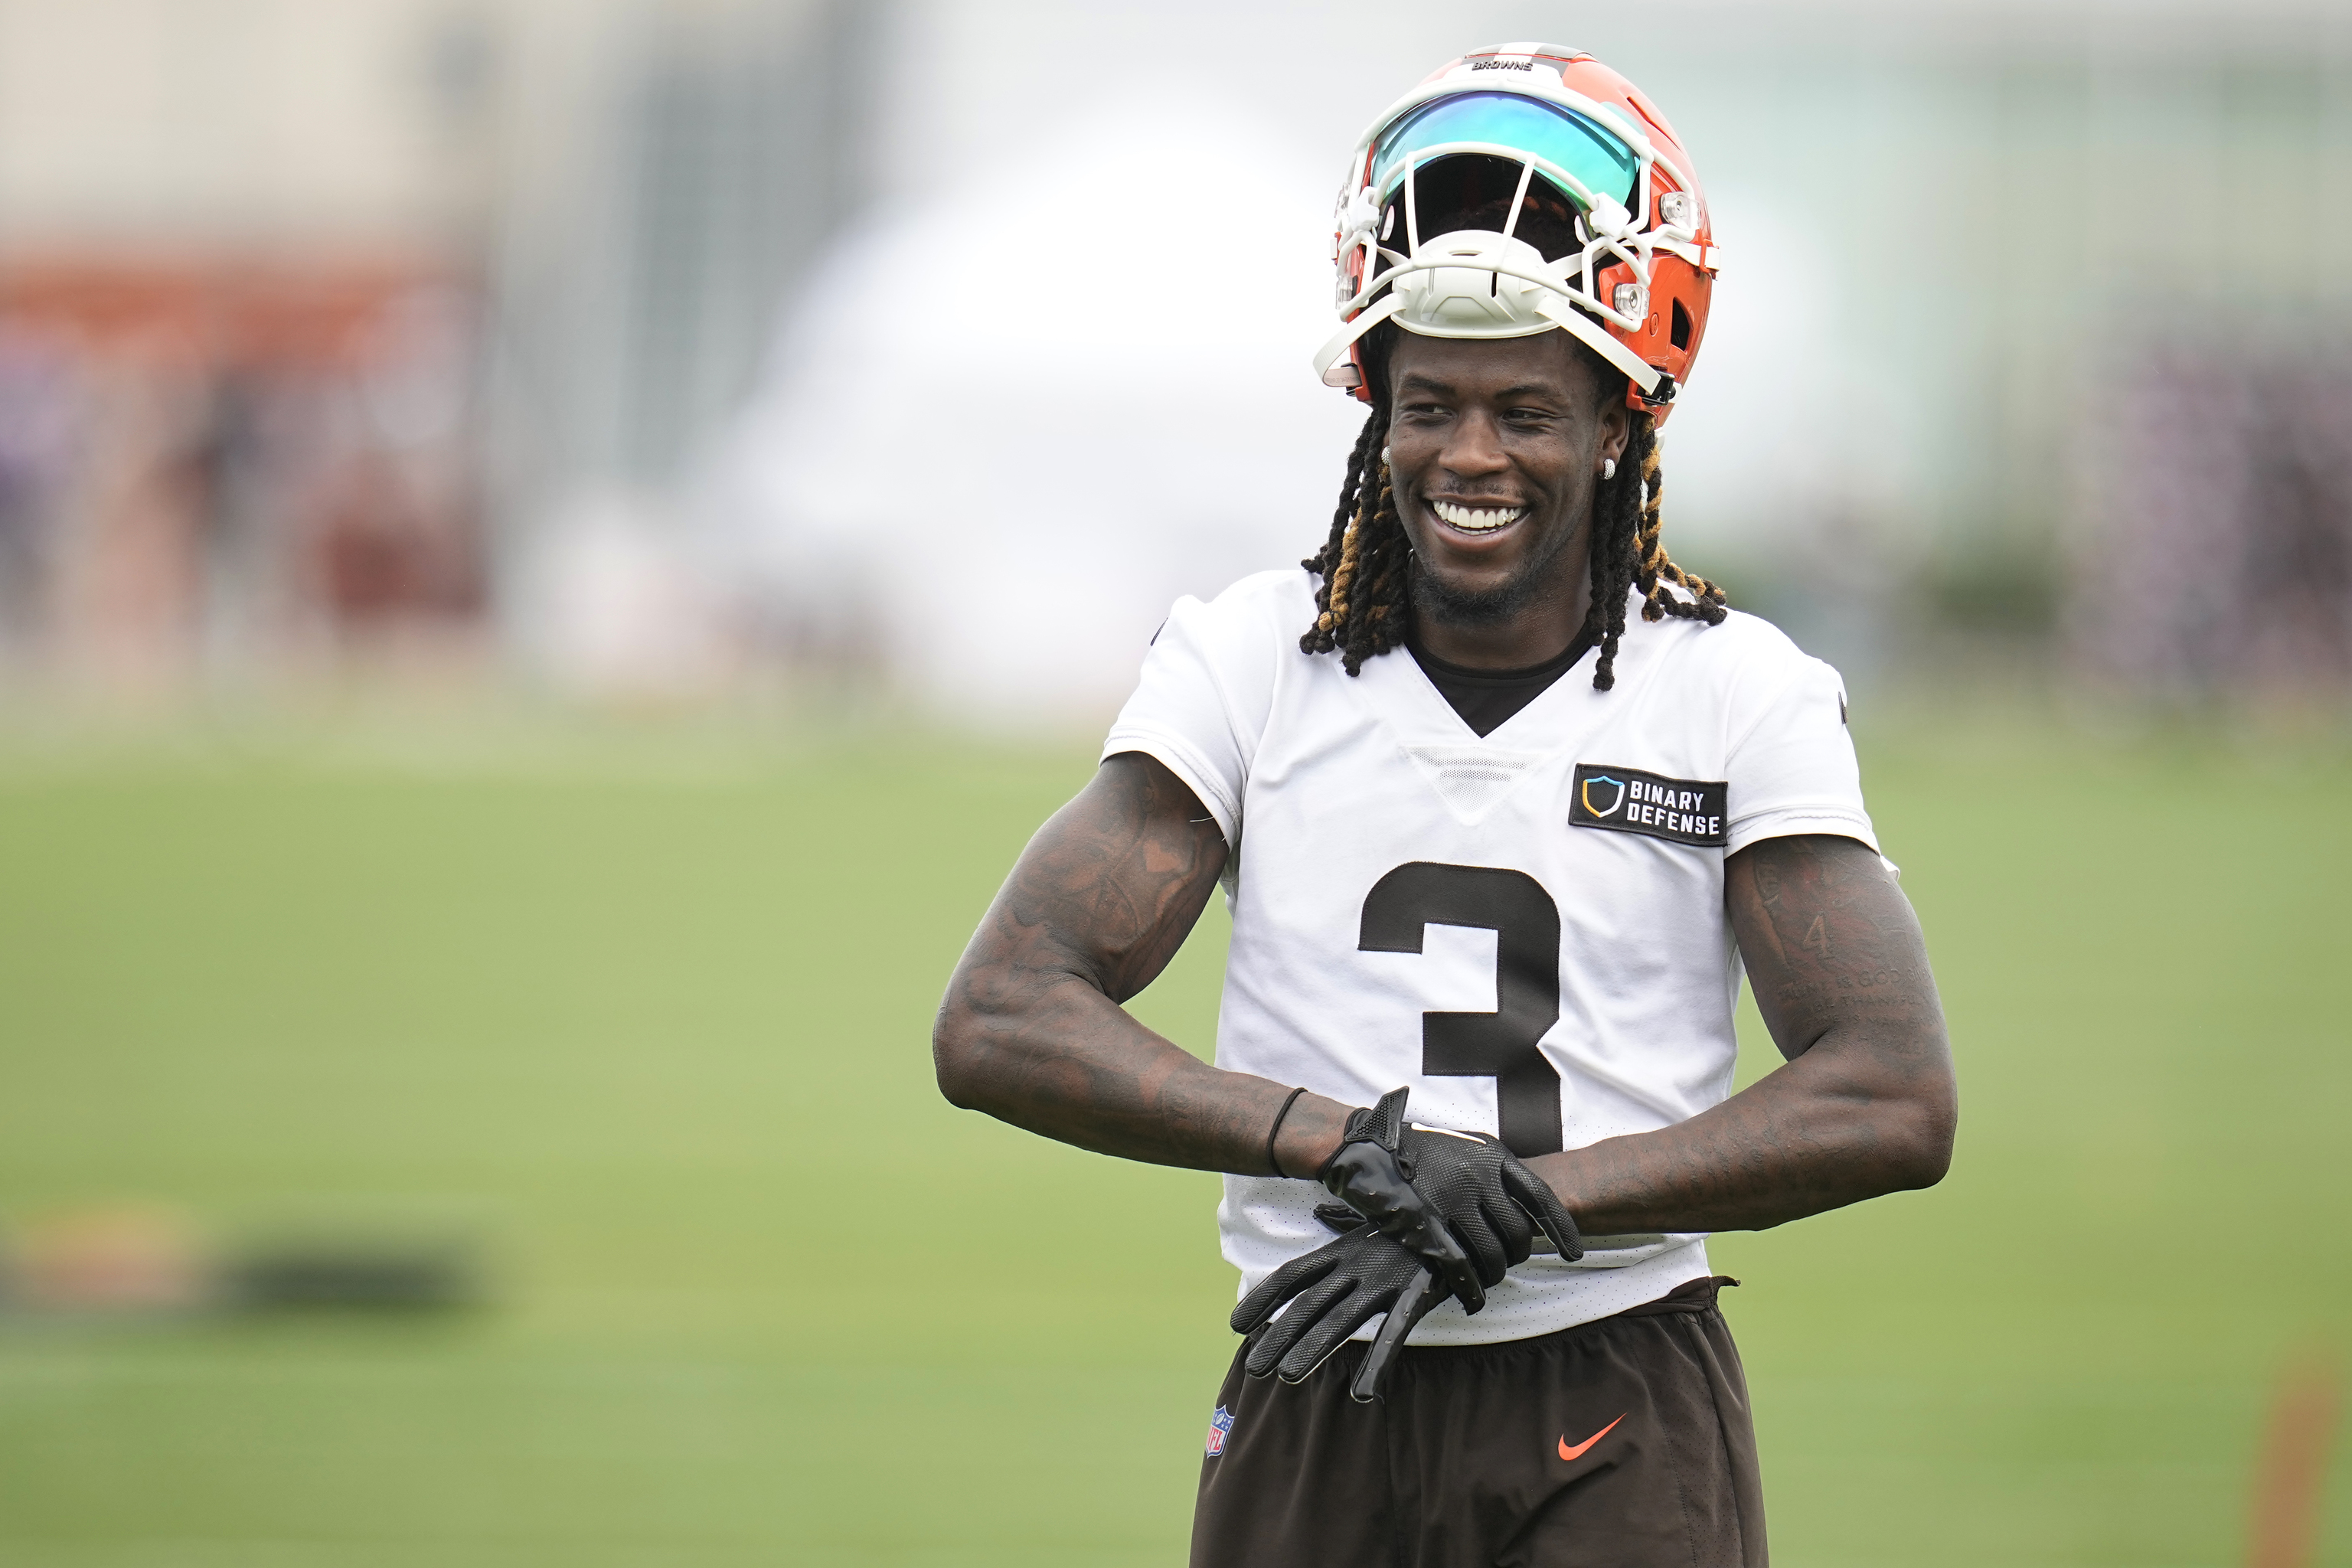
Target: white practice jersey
{"points": [[1528, 929]]}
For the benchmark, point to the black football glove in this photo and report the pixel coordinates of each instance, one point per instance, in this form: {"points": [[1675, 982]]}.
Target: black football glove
{"points": [[1367, 1175], [1461, 1202], [1333, 1291]]}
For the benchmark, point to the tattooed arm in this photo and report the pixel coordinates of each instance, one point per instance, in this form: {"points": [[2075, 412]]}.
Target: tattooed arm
{"points": [[1865, 1103], [1032, 1031]]}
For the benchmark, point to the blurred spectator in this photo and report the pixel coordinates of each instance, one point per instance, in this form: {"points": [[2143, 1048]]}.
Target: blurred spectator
{"points": [[2218, 554], [215, 462], [39, 397]]}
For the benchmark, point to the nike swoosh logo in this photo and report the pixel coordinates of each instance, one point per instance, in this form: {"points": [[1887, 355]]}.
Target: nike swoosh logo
{"points": [[1577, 1452]]}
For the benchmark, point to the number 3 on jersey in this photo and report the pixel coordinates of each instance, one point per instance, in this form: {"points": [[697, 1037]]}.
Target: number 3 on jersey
{"points": [[1503, 1045]]}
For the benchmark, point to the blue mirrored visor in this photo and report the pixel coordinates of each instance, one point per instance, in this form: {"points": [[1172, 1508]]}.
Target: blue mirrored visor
{"points": [[1560, 136]]}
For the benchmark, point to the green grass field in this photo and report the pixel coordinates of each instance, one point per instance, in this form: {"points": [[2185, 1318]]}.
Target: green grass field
{"points": [[654, 1019]]}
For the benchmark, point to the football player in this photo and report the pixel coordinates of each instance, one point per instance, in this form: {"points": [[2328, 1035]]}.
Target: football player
{"points": [[1503, 801]]}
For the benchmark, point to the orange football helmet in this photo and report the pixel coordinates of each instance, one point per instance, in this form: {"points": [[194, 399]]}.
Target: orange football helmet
{"points": [[1605, 234]]}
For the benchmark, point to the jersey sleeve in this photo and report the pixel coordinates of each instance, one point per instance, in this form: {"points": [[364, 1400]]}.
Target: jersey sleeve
{"points": [[1793, 767], [1202, 702]]}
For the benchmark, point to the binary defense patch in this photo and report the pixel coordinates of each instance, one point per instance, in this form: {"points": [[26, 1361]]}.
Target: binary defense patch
{"points": [[1626, 800]]}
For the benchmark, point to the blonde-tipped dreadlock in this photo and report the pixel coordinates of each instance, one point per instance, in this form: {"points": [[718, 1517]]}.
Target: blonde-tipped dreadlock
{"points": [[1657, 566], [1363, 601], [1360, 605]]}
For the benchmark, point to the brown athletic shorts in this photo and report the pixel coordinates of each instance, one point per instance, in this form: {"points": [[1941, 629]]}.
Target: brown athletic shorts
{"points": [[1623, 1443]]}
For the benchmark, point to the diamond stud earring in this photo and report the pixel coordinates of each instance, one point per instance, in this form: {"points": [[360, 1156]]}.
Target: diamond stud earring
{"points": [[1608, 468]]}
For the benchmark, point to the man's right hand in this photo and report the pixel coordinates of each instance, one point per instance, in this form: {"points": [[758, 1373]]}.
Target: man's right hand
{"points": [[1460, 1202], [1365, 1174]]}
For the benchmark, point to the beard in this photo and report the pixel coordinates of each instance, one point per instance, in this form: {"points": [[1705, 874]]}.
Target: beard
{"points": [[1535, 578]]}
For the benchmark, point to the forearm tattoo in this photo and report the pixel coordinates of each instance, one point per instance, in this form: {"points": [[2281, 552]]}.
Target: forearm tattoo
{"points": [[1032, 1030], [1866, 1104]]}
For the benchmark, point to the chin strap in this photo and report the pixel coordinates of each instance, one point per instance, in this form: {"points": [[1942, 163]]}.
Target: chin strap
{"points": [[1586, 331], [1327, 358]]}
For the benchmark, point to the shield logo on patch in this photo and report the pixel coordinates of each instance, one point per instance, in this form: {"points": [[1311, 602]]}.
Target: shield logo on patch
{"points": [[1616, 796], [1219, 1425]]}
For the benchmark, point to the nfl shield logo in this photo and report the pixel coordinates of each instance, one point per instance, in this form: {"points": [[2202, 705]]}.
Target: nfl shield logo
{"points": [[1219, 1425]]}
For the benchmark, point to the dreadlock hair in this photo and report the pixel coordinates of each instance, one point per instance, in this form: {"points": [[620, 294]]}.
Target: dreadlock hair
{"points": [[1364, 600]]}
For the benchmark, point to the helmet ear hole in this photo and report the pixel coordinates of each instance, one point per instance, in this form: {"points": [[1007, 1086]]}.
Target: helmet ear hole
{"points": [[1680, 332]]}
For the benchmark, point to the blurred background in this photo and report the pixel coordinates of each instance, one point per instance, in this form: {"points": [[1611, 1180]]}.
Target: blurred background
{"points": [[576, 344], [553, 551]]}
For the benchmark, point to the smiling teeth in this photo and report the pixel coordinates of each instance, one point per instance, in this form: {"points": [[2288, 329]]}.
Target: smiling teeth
{"points": [[1476, 520]]}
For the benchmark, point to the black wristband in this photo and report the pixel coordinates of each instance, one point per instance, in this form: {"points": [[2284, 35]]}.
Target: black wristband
{"points": [[1271, 1163]]}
